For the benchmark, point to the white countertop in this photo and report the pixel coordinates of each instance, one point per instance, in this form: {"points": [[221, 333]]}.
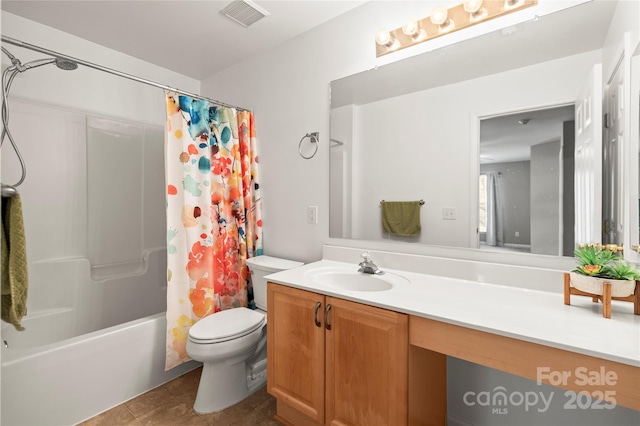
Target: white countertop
{"points": [[530, 315]]}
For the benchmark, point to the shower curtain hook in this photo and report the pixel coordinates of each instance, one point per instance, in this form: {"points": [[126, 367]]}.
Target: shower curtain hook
{"points": [[314, 138]]}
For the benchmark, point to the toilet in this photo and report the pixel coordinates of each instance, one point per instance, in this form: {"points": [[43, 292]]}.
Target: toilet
{"points": [[232, 344]]}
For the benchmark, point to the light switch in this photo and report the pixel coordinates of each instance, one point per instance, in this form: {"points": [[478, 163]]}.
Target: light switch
{"points": [[449, 213], [312, 215]]}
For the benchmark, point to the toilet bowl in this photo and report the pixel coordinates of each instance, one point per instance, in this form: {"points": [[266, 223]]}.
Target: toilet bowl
{"points": [[231, 344], [225, 343]]}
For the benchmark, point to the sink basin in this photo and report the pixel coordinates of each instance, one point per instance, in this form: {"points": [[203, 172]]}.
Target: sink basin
{"points": [[352, 280]]}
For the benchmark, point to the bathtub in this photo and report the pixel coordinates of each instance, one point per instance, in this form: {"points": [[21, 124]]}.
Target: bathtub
{"points": [[77, 358]]}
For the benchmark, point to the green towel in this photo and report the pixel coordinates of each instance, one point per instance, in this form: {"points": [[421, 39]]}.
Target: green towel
{"points": [[15, 280], [401, 217]]}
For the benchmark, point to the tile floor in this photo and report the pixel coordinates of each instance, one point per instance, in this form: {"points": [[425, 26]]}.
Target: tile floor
{"points": [[172, 405]]}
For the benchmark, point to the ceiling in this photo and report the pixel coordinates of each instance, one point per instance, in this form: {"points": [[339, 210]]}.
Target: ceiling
{"points": [[189, 37], [510, 137]]}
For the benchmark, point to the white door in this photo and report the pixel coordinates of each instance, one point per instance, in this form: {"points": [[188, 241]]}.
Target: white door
{"points": [[588, 160]]}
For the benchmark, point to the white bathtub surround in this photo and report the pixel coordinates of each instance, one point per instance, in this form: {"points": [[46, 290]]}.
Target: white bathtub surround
{"points": [[74, 379], [97, 258], [73, 356], [65, 302], [81, 377]]}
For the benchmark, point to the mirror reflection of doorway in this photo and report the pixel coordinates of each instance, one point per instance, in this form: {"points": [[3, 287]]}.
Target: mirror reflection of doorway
{"points": [[526, 181]]}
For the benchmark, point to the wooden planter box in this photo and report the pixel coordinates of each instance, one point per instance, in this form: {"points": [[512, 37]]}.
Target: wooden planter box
{"points": [[603, 290]]}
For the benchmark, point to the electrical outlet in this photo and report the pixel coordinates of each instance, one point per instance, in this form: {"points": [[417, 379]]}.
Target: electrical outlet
{"points": [[449, 213], [312, 215], [517, 234]]}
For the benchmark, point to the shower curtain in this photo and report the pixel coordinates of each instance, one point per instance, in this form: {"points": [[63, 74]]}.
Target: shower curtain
{"points": [[495, 215], [213, 213]]}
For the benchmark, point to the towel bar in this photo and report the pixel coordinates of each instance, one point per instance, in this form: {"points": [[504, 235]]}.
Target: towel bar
{"points": [[421, 202]]}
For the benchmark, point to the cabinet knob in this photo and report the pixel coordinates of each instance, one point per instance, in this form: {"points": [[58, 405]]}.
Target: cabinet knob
{"points": [[315, 314]]}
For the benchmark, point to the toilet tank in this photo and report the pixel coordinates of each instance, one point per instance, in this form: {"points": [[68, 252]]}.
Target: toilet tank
{"points": [[261, 266]]}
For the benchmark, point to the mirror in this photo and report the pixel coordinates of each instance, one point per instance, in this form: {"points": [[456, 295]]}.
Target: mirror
{"points": [[526, 198], [411, 130], [632, 164]]}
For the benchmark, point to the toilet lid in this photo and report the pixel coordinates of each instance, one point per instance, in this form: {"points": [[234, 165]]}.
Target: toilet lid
{"points": [[226, 325]]}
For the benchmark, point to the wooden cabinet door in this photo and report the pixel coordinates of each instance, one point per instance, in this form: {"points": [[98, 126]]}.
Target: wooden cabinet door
{"points": [[366, 365], [295, 349]]}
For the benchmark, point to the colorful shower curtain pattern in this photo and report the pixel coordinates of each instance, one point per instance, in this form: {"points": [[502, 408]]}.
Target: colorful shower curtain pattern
{"points": [[214, 218]]}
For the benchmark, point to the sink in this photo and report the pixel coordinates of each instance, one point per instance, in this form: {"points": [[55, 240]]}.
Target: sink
{"points": [[352, 280]]}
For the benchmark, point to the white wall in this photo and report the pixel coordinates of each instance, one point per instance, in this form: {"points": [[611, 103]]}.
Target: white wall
{"points": [[545, 203], [87, 89], [340, 205], [548, 405], [288, 89], [626, 19]]}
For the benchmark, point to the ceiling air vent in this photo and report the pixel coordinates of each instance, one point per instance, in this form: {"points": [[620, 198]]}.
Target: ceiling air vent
{"points": [[244, 12]]}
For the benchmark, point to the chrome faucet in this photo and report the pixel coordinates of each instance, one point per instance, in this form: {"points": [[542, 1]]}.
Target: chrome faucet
{"points": [[367, 266]]}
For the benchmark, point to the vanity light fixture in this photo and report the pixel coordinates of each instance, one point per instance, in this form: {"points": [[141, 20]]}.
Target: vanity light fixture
{"points": [[443, 21]]}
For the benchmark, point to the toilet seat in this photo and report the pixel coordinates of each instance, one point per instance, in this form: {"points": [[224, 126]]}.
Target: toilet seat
{"points": [[226, 325]]}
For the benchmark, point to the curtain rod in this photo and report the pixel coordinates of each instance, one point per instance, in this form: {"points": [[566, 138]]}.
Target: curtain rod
{"points": [[35, 48]]}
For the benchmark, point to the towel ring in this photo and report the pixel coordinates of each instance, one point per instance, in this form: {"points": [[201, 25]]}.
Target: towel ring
{"points": [[314, 138]]}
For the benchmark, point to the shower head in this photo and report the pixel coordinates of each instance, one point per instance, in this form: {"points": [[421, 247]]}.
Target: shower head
{"points": [[65, 64]]}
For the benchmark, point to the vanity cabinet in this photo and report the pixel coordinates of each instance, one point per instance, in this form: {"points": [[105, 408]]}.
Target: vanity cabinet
{"points": [[335, 362]]}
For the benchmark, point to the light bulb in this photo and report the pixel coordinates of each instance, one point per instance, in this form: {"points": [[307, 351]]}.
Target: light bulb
{"points": [[472, 6], [411, 27], [439, 17], [512, 4], [413, 30], [475, 9], [384, 38]]}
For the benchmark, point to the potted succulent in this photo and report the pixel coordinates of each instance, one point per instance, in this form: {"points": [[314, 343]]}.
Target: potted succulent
{"points": [[597, 266]]}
